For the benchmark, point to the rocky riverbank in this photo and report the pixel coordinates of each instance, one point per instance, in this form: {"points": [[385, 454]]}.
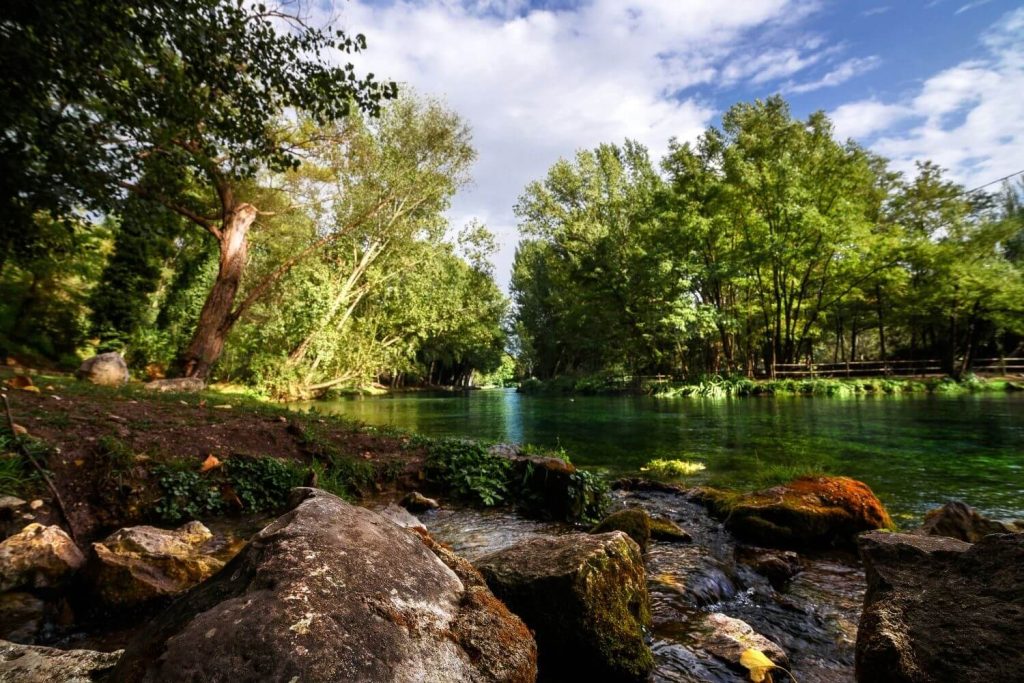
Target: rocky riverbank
{"points": [[487, 573]]}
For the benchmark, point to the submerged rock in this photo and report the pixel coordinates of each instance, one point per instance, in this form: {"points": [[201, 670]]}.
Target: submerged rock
{"points": [[32, 664], [778, 566], [417, 502], [21, 616], [938, 609], [585, 597], [961, 521], [106, 369], [333, 592], [143, 563], [178, 384], [809, 511], [38, 557], [728, 638], [633, 522], [666, 530]]}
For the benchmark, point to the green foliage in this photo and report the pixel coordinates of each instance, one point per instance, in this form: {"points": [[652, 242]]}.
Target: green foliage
{"points": [[588, 496], [470, 471], [262, 483], [766, 242], [672, 469], [185, 493]]}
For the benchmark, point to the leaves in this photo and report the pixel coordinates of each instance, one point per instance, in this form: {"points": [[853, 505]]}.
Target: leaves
{"points": [[757, 664]]}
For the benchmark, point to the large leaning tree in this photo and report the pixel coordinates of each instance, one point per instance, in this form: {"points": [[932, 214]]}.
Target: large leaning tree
{"points": [[178, 102]]}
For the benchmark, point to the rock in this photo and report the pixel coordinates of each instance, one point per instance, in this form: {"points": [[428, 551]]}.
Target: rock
{"points": [[666, 530], [584, 596], [334, 592], [33, 664], [807, 512], [19, 382], [402, 517], [938, 609], [106, 369], [38, 557], [21, 616], [10, 503], [727, 638], [178, 384], [633, 522], [778, 566], [140, 564], [417, 502], [550, 488], [961, 521], [36, 504]]}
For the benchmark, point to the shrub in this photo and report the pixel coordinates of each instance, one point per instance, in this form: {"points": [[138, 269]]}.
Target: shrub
{"points": [[469, 470]]}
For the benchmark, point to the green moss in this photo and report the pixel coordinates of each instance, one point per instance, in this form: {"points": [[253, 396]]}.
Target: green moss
{"points": [[634, 522]]}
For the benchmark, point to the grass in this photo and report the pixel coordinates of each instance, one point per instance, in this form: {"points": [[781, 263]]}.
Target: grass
{"points": [[672, 469]]}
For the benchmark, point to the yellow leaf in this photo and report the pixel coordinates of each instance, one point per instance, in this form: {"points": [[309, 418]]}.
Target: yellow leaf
{"points": [[210, 463], [758, 665]]}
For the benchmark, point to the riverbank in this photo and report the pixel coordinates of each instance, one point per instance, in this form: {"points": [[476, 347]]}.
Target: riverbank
{"points": [[721, 387]]}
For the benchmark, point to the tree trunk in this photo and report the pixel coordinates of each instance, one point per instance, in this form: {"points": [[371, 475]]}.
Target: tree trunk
{"points": [[881, 321], [218, 315]]}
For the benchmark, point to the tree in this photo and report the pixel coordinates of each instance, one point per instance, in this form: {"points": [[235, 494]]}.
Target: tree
{"points": [[178, 102]]}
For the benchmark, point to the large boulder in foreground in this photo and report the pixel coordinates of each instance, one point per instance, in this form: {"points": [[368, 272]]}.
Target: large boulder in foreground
{"points": [[334, 592], [32, 664], [938, 609], [106, 369], [585, 597], [961, 521], [807, 512], [140, 564], [38, 557]]}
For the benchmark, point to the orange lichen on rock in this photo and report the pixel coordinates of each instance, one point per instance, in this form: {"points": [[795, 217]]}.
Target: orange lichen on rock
{"points": [[809, 511]]}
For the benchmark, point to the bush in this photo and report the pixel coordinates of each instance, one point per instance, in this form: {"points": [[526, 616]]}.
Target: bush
{"points": [[469, 470]]}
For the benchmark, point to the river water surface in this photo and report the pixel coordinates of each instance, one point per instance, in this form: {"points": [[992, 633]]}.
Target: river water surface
{"points": [[916, 452]]}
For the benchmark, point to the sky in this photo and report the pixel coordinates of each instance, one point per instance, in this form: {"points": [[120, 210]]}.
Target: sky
{"points": [[537, 80]]}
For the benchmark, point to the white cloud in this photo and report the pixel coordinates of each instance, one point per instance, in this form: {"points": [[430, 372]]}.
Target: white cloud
{"points": [[851, 68], [536, 84], [861, 119], [968, 118], [971, 5]]}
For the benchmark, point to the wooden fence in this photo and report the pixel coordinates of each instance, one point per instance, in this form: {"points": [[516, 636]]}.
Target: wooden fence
{"points": [[895, 368]]}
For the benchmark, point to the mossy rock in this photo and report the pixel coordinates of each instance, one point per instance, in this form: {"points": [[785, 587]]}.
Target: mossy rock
{"points": [[806, 512], [666, 530], [585, 597], [633, 522]]}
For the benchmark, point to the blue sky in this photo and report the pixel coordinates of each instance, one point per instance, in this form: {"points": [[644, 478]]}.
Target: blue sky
{"points": [[537, 80]]}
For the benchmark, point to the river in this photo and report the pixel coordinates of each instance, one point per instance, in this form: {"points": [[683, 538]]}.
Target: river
{"points": [[916, 452]]}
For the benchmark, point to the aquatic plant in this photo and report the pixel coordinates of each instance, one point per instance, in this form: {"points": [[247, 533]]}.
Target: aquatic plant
{"points": [[673, 469]]}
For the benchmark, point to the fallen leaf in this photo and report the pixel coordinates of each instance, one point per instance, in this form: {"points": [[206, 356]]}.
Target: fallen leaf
{"points": [[79, 462], [34, 389], [19, 430], [50, 387], [19, 382], [210, 463], [758, 665], [223, 406]]}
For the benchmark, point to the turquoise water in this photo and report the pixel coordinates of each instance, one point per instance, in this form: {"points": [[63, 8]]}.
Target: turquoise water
{"points": [[916, 452]]}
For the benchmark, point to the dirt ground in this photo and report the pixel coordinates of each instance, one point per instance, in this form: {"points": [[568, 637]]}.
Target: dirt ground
{"points": [[79, 422]]}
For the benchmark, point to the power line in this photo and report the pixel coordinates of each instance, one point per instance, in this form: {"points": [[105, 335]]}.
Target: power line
{"points": [[993, 182]]}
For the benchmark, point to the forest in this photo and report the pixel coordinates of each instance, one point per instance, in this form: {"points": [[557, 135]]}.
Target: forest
{"points": [[765, 242], [280, 226]]}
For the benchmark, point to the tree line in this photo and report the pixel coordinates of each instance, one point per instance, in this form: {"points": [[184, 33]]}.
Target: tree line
{"points": [[199, 184], [767, 241]]}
